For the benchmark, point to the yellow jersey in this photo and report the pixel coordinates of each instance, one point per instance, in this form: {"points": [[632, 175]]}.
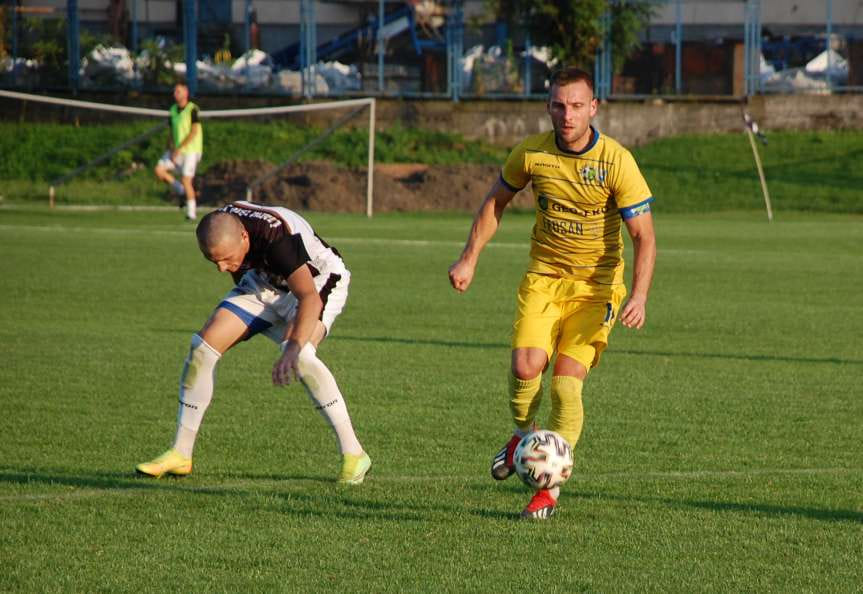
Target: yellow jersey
{"points": [[581, 200]]}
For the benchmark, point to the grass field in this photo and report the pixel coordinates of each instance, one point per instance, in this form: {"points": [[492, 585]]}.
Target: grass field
{"points": [[722, 451]]}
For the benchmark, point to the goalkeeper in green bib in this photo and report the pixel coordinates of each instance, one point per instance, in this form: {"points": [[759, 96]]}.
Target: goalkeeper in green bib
{"points": [[184, 149]]}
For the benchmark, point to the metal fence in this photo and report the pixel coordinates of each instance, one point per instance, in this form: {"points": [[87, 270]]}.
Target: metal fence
{"points": [[450, 49]]}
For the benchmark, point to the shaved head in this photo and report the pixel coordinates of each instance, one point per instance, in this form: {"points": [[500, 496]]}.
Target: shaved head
{"points": [[217, 228], [223, 240]]}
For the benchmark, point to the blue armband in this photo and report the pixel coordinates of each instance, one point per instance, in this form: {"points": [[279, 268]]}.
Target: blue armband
{"points": [[636, 209]]}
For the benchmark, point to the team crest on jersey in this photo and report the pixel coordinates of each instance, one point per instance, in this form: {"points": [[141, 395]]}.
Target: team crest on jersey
{"points": [[543, 202], [590, 174]]}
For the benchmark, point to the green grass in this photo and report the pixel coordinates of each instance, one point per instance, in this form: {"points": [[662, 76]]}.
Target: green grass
{"points": [[812, 171], [52, 150], [722, 451]]}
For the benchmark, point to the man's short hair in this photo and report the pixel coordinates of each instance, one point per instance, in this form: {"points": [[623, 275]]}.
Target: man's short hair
{"points": [[217, 226], [570, 75]]}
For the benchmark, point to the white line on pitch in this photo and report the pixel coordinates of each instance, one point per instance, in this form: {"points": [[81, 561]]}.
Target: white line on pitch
{"points": [[330, 239]]}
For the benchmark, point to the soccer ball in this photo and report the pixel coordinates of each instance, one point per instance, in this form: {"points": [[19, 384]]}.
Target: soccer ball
{"points": [[543, 459]]}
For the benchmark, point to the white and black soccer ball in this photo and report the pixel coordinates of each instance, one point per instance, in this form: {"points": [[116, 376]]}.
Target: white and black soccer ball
{"points": [[543, 459]]}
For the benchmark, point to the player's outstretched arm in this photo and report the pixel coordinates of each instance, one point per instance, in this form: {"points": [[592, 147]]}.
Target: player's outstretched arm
{"points": [[485, 224], [633, 314], [309, 306]]}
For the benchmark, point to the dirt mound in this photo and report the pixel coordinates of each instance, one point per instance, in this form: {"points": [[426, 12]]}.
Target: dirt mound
{"points": [[326, 187]]}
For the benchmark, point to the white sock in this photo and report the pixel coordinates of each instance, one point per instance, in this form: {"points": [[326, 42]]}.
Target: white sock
{"points": [[191, 209], [196, 392], [178, 187], [554, 492], [322, 389]]}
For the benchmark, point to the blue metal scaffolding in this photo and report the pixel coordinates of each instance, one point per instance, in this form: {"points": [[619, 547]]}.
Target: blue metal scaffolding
{"points": [[454, 49], [401, 19], [602, 69], [752, 47], [308, 47], [190, 38], [73, 42]]}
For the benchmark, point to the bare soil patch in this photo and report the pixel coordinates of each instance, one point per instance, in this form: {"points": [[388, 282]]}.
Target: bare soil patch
{"points": [[323, 186]]}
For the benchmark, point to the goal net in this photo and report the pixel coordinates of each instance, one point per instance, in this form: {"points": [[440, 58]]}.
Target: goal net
{"points": [[316, 156]]}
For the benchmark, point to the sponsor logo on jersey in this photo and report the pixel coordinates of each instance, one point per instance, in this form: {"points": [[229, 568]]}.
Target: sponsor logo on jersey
{"points": [[271, 220], [592, 174], [558, 227], [582, 212]]}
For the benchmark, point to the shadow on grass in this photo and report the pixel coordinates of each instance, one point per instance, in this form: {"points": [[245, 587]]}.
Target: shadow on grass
{"points": [[612, 350], [764, 509], [119, 481], [780, 358], [347, 503], [333, 501], [422, 342]]}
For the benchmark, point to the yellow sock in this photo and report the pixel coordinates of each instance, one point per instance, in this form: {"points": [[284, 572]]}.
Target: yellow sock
{"points": [[525, 396], [567, 412]]}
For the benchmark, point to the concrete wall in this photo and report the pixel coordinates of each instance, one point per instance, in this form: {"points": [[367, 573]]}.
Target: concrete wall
{"points": [[694, 12], [773, 12]]}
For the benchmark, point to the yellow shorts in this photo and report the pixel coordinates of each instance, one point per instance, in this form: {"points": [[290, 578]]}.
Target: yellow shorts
{"points": [[572, 317]]}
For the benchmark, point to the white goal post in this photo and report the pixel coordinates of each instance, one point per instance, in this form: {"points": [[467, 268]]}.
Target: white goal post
{"points": [[227, 113]]}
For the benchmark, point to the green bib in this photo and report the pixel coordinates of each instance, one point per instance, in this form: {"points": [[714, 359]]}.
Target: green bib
{"points": [[181, 125]]}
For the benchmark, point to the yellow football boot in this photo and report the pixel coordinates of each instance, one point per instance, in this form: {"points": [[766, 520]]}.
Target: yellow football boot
{"points": [[354, 469], [171, 462]]}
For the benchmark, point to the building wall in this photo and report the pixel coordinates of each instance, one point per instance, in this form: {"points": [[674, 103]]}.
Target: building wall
{"points": [[698, 12], [773, 12]]}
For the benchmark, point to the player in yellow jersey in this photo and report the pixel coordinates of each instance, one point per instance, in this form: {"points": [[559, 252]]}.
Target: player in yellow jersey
{"points": [[587, 188]]}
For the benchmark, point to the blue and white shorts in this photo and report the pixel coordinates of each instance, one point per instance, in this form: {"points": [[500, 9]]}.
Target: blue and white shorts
{"points": [[267, 310]]}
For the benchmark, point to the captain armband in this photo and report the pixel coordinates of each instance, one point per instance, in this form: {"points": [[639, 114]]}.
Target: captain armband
{"points": [[633, 211]]}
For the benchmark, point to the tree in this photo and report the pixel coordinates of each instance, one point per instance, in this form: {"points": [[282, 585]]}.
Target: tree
{"points": [[574, 29]]}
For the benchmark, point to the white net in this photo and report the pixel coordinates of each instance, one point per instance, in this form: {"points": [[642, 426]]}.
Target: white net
{"points": [[317, 156]]}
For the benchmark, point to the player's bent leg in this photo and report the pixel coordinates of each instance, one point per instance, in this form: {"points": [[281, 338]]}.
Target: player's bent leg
{"points": [[324, 392], [567, 409], [189, 192], [526, 385], [225, 328], [196, 392], [162, 173], [525, 390]]}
